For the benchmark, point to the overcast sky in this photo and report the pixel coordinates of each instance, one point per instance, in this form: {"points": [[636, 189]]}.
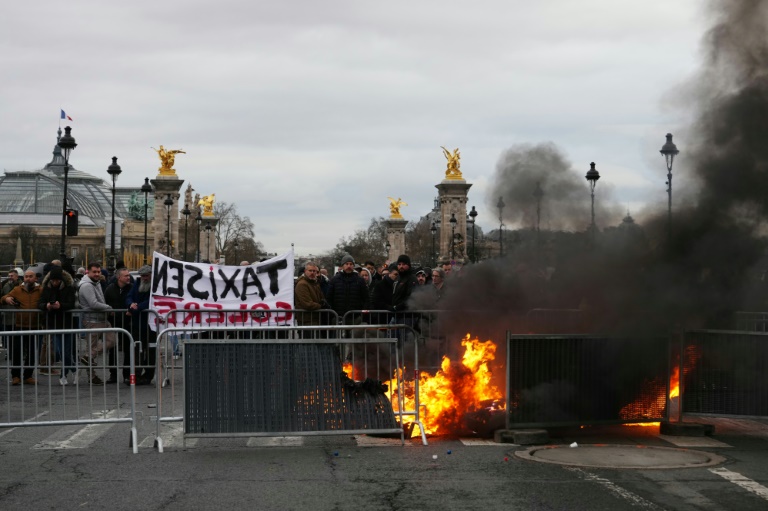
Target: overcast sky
{"points": [[309, 114]]}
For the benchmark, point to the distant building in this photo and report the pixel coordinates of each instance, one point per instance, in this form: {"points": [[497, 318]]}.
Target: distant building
{"points": [[34, 198]]}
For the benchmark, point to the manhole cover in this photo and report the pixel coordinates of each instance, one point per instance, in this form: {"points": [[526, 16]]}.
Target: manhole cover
{"points": [[620, 456]]}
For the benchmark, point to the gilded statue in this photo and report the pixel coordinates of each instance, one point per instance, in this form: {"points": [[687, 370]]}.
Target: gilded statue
{"points": [[394, 207], [167, 158], [207, 203], [452, 172]]}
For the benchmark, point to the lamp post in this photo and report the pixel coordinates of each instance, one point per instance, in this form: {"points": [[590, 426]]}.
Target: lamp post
{"points": [[66, 143], [145, 189], [114, 171], [501, 206], [208, 234], [168, 203], [472, 215], [453, 236], [669, 151], [592, 176], [433, 230], [186, 212], [237, 252], [199, 221]]}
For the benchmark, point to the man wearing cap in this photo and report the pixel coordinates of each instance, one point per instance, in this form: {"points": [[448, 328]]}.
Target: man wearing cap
{"points": [[25, 297], [56, 300], [138, 305], [95, 310], [404, 287], [347, 290]]}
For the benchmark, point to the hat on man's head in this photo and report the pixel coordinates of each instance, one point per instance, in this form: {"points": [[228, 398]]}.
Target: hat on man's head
{"points": [[347, 259], [145, 270], [404, 259], [19, 271], [422, 272], [81, 271], [56, 273]]}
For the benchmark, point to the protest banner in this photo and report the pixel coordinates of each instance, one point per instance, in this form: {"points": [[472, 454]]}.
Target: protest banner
{"points": [[199, 287]]}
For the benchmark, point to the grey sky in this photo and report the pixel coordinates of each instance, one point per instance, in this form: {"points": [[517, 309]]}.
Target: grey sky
{"points": [[309, 114]]}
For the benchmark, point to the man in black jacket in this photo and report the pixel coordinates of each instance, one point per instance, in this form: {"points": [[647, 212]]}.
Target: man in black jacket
{"points": [[404, 286], [115, 296], [56, 300]]}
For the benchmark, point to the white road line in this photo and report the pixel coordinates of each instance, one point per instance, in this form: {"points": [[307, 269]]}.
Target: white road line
{"points": [[693, 441], [33, 419], [79, 438], [617, 490], [745, 482], [483, 441], [275, 441], [172, 436]]}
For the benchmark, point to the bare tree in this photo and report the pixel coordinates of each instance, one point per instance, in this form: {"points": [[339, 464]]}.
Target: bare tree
{"points": [[234, 235]]}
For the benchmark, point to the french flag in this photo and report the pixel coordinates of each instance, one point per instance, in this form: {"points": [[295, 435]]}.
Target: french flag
{"points": [[65, 116]]}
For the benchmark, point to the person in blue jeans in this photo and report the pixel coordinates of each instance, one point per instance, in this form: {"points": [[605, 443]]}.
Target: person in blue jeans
{"points": [[56, 301]]}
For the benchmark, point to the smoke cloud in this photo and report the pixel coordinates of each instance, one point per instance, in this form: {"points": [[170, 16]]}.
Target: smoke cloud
{"points": [[637, 279]]}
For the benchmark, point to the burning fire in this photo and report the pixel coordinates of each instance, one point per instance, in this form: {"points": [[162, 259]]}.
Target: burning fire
{"points": [[456, 389], [655, 407]]}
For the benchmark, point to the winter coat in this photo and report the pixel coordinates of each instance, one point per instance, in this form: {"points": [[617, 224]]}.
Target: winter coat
{"points": [[28, 300], [64, 293], [115, 297], [92, 300], [309, 297], [404, 285], [347, 292]]}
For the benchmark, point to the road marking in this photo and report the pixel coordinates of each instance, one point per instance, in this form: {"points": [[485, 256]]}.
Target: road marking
{"points": [[275, 441], [172, 436], [482, 441], [693, 441], [633, 499], [76, 437], [372, 441], [745, 482]]}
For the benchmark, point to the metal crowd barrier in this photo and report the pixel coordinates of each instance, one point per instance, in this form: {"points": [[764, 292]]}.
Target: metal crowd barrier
{"points": [[725, 373], [38, 404], [224, 367], [569, 380], [751, 321]]}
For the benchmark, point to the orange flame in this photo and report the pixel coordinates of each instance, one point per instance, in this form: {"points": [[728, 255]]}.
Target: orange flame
{"points": [[456, 388]]}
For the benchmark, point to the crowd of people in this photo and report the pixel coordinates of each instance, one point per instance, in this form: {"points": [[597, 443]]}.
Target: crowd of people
{"points": [[60, 298]]}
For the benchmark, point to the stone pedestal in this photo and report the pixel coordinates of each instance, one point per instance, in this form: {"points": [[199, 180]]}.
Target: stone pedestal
{"points": [[208, 239], [162, 187], [396, 238], [453, 200]]}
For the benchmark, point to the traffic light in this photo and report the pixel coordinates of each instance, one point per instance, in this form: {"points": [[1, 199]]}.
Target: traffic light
{"points": [[71, 222]]}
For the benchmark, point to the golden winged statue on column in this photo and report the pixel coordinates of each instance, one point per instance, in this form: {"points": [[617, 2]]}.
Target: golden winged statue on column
{"points": [[394, 207], [452, 171], [167, 159]]}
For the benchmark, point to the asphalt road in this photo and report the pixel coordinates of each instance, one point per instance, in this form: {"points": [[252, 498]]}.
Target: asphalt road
{"points": [[89, 467]]}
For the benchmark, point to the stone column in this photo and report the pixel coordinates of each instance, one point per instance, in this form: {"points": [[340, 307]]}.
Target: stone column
{"points": [[396, 237], [163, 186], [208, 239], [453, 200]]}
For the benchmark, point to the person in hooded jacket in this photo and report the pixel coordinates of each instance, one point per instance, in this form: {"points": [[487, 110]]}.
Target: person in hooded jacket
{"points": [[56, 301]]}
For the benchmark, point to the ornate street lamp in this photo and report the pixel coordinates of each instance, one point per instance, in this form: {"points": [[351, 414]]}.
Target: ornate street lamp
{"points": [[114, 171], [66, 143], [208, 229], [168, 203], [592, 176], [199, 220], [501, 206], [453, 236], [186, 212], [472, 215], [433, 230], [669, 151], [146, 188]]}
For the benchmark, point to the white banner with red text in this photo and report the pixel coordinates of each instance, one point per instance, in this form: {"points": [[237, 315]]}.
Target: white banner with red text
{"points": [[198, 287]]}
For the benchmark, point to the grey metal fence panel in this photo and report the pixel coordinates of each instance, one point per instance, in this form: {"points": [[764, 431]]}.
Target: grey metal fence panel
{"points": [[751, 321], [725, 373], [558, 380]]}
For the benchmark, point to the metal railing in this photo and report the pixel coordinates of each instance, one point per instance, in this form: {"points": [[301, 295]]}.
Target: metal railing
{"points": [[37, 404]]}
